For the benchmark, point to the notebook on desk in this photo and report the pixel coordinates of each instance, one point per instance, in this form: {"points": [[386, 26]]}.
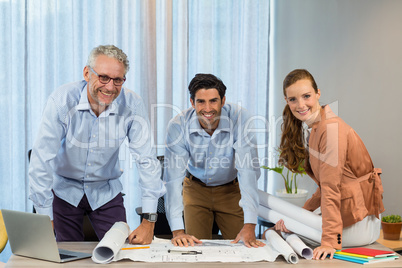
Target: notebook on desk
{"points": [[31, 235]]}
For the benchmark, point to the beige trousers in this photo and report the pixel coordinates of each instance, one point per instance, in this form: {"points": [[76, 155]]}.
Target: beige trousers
{"points": [[204, 204]]}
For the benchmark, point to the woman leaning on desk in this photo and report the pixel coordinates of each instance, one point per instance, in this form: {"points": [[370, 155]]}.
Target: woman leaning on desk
{"points": [[349, 187]]}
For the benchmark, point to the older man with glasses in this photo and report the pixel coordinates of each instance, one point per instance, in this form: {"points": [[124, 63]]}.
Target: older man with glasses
{"points": [[74, 168]]}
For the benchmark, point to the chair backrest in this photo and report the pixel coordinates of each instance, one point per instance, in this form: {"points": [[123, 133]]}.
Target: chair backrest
{"points": [[162, 227], [161, 200], [3, 234]]}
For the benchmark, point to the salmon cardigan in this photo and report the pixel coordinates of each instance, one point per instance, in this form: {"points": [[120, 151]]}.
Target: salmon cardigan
{"points": [[349, 187]]}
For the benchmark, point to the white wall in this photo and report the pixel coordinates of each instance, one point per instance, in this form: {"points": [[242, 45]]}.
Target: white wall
{"points": [[354, 51]]}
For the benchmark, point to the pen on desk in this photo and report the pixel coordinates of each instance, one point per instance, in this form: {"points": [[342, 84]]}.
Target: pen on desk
{"points": [[134, 248], [184, 252]]}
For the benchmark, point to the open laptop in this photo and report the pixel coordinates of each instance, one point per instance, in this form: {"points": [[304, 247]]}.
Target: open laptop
{"points": [[31, 235]]}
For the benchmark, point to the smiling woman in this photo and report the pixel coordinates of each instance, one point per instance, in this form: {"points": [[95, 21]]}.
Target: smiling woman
{"points": [[349, 189], [302, 99]]}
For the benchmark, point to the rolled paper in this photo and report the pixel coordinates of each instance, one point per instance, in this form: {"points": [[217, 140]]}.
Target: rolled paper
{"points": [[298, 245], [291, 224], [292, 211], [111, 243], [281, 246]]}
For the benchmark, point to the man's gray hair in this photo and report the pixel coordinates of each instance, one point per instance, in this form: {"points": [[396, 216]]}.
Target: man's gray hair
{"points": [[110, 51]]}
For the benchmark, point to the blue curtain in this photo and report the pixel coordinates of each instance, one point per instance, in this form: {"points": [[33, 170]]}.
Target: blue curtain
{"points": [[45, 44]]}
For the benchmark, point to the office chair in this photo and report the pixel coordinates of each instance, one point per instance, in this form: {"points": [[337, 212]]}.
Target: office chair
{"points": [[3, 237], [89, 232], [3, 233]]}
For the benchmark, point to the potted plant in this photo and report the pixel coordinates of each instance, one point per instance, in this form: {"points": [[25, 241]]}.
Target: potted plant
{"points": [[290, 193], [391, 227]]}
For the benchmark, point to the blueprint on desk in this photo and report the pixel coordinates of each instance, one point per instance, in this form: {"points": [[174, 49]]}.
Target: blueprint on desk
{"points": [[114, 247], [210, 251]]}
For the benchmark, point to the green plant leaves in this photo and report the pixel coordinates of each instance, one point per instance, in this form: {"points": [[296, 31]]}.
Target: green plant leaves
{"points": [[391, 218], [276, 169], [288, 181]]}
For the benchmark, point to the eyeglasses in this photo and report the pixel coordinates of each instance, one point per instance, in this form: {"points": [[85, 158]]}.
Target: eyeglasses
{"points": [[104, 79]]}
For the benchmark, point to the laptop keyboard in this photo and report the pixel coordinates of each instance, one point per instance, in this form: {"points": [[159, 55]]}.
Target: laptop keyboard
{"points": [[65, 256]]}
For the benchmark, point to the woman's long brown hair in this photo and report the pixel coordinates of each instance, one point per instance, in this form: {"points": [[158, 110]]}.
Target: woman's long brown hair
{"points": [[292, 149]]}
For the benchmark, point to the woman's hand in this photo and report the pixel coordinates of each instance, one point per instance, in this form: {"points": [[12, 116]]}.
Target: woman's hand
{"points": [[279, 227], [321, 252]]}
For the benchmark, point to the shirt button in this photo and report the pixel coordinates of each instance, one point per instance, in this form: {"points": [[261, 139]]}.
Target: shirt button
{"points": [[89, 164], [209, 167], [91, 151], [94, 136], [87, 176], [210, 179]]}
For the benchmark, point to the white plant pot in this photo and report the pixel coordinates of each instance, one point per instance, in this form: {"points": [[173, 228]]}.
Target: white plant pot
{"points": [[297, 199]]}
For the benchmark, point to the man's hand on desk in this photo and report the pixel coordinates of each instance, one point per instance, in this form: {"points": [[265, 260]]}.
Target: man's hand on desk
{"points": [[180, 238], [143, 234], [247, 235]]}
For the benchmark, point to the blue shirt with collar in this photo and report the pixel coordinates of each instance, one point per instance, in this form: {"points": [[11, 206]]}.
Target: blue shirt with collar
{"points": [[230, 152], [76, 152]]}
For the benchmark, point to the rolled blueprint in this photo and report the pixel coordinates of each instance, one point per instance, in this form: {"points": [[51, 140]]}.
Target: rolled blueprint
{"points": [[290, 223], [111, 243], [292, 211], [298, 245], [281, 246]]}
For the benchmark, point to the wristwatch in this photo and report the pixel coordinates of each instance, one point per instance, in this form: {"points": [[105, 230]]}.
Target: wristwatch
{"points": [[151, 217]]}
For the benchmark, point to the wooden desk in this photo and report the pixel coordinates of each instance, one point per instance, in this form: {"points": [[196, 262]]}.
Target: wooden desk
{"points": [[17, 261], [395, 245]]}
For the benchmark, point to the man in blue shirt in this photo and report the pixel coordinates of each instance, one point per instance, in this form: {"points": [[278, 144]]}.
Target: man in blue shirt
{"points": [[74, 167], [210, 151]]}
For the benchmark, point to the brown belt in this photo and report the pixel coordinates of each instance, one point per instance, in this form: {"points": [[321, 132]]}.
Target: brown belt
{"points": [[191, 177]]}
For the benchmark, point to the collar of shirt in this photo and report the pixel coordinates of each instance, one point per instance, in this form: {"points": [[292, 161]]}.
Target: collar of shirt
{"points": [[84, 103], [224, 123]]}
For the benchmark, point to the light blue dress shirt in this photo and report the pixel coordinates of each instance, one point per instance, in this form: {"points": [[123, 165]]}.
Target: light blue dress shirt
{"points": [[218, 159], [76, 152]]}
